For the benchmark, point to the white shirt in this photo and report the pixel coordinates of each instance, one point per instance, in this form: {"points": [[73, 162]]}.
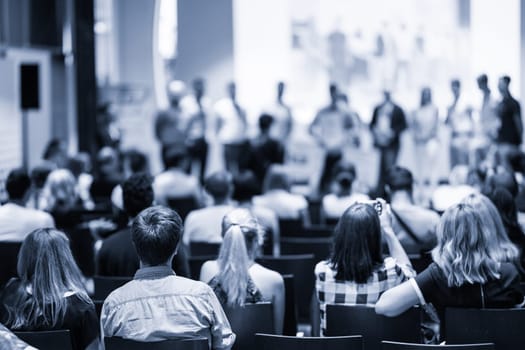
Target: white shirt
{"points": [[285, 204], [233, 129], [204, 225], [174, 183], [334, 206], [446, 196], [281, 117], [16, 222]]}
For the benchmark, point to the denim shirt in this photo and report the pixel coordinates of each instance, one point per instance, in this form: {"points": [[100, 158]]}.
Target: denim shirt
{"points": [[158, 305]]}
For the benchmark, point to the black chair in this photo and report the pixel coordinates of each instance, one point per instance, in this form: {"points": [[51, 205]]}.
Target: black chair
{"points": [[248, 320], [302, 267], [503, 327], [273, 342], [290, 227], [420, 261], [9, 253], [363, 320], [290, 306], [183, 205], [47, 340], [390, 345], [105, 285], [320, 247], [317, 231], [204, 248], [116, 343], [196, 263], [98, 307]]}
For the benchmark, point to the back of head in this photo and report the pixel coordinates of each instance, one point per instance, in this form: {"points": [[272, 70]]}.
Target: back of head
{"points": [[356, 250], [136, 161], [399, 179], [265, 122], [54, 148], [462, 251], [107, 161], [46, 265], [17, 184], [156, 232], [137, 193], [174, 155], [500, 248], [276, 179], [502, 179], [242, 236], [219, 185], [60, 190]]}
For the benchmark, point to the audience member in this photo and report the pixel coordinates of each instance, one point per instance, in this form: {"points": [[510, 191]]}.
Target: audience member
{"points": [[9, 341], [158, 305], [357, 272], [107, 177], [38, 176], [55, 153], [388, 122], [17, 221], [276, 196], [231, 128], [108, 133], [341, 196], [133, 162], [235, 277], [173, 182], [203, 225], [451, 193], [511, 126], [117, 256], [414, 225], [463, 274], [80, 167], [48, 293]]}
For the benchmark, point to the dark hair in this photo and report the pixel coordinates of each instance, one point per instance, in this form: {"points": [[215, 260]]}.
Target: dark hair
{"points": [[138, 161], [219, 185], [53, 147], [502, 179], [17, 183], [156, 233], [455, 82], [137, 193], [39, 175], [482, 79], [506, 79], [265, 122], [174, 155], [344, 173], [357, 244], [506, 206], [399, 179]]}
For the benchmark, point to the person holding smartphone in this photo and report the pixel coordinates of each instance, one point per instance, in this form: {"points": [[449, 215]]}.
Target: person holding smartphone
{"points": [[357, 271]]}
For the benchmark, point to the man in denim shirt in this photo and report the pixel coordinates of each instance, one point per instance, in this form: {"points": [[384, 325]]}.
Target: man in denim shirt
{"points": [[158, 305]]}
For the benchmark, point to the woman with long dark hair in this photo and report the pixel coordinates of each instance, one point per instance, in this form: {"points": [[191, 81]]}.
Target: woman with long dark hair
{"points": [[48, 293]]}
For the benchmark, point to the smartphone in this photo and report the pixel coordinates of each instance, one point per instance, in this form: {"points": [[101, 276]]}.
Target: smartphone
{"points": [[376, 205]]}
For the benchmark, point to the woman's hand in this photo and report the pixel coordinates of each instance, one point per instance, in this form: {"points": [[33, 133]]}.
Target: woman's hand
{"points": [[386, 215]]}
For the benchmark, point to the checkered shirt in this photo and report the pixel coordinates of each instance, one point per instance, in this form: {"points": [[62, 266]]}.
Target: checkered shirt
{"points": [[332, 291]]}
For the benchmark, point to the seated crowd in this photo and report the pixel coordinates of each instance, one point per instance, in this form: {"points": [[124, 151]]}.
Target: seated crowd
{"points": [[121, 221]]}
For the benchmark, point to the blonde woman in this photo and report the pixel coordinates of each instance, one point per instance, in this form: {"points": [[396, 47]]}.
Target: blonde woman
{"points": [[235, 277], [48, 293], [464, 273]]}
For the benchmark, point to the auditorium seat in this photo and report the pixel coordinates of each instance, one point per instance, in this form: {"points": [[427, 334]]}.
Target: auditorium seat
{"points": [[390, 345], [204, 248], [105, 285], [116, 343], [363, 320], [290, 306], [273, 342], [9, 253], [320, 247], [290, 227], [503, 327], [183, 205], [196, 263], [47, 340], [248, 320]]}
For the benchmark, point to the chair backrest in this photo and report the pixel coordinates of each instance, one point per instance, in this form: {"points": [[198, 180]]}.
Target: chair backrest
{"points": [[290, 227], [320, 247], [248, 320], [105, 285], [183, 205], [273, 342], [47, 340], [363, 320], [204, 248], [420, 261], [302, 267], [116, 343], [317, 231], [98, 307], [503, 327], [290, 306], [196, 263], [9, 253], [391, 345]]}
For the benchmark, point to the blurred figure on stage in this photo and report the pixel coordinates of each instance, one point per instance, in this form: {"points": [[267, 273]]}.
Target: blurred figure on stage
{"points": [[168, 122], [511, 126]]}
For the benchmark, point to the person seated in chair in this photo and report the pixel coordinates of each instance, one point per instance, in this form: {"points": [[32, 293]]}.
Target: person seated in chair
{"points": [[157, 304]]}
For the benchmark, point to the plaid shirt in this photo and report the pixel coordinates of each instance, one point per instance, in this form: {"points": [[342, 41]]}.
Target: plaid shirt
{"points": [[332, 291]]}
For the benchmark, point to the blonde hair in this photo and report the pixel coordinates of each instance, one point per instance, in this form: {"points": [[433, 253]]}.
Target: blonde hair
{"points": [[463, 252], [242, 237], [500, 247], [47, 271], [60, 190]]}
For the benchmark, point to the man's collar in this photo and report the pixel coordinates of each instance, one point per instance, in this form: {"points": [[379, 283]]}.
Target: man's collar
{"points": [[153, 272]]}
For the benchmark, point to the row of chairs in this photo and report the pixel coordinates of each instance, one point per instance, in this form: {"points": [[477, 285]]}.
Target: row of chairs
{"points": [[61, 340]]}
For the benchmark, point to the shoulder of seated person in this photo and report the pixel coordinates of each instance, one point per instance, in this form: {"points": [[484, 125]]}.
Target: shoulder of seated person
{"points": [[266, 272]]}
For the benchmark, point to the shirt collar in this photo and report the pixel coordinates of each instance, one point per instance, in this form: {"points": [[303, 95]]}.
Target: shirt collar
{"points": [[153, 272]]}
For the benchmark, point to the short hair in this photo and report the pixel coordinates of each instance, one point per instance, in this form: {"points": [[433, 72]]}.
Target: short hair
{"points": [[173, 155], [455, 82], [137, 193], [137, 160], [156, 233], [482, 79], [399, 179], [502, 179], [219, 185], [265, 121], [506, 79], [17, 183], [53, 147], [356, 249]]}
